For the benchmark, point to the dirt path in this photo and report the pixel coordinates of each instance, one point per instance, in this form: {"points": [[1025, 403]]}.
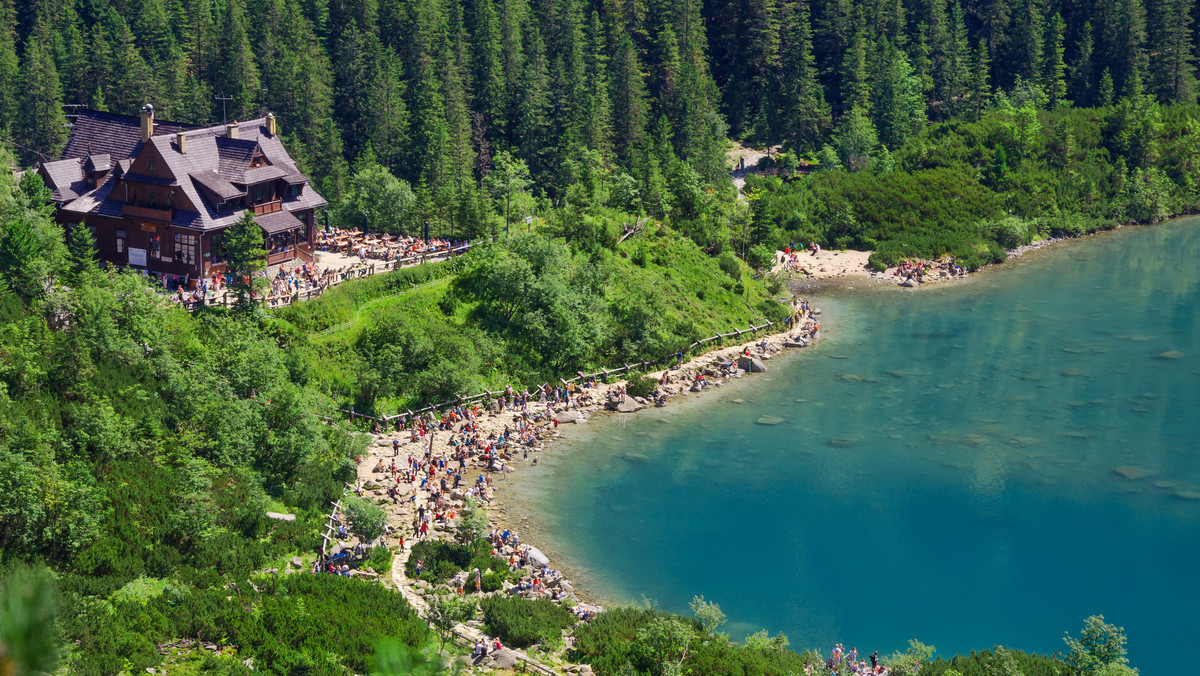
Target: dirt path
{"points": [[751, 156]]}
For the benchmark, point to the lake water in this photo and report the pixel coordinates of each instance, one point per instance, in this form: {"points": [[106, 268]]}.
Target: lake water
{"points": [[944, 471]]}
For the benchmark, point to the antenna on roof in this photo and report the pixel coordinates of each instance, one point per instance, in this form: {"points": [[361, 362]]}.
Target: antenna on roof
{"points": [[223, 99]]}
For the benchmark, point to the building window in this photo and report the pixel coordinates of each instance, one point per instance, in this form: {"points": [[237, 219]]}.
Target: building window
{"points": [[185, 248], [155, 248], [218, 256], [258, 192], [153, 196], [170, 199], [120, 241], [150, 165], [294, 190]]}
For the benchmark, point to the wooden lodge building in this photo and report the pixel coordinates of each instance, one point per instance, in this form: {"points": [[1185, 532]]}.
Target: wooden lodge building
{"points": [[157, 195]]}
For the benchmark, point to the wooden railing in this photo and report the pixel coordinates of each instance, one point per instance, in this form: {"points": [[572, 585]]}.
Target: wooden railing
{"points": [[602, 373], [152, 213]]}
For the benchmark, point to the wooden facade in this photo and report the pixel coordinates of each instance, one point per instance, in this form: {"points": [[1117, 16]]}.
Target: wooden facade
{"points": [[160, 200]]}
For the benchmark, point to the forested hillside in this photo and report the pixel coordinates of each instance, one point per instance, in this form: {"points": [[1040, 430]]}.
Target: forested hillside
{"points": [[637, 97]]}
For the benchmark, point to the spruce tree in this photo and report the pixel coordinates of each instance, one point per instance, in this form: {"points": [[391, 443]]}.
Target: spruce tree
{"points": [[1053, 64], [41, 126], [1172, 61], [236, 70], [629, 105], [1025, 42], [131, 80], [981, 88], [245, 259], [804, 113], [898, 106], [9, 69], [1083, 85]]}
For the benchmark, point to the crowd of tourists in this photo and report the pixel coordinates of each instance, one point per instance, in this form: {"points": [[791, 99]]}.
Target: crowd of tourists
{"points": [[849, 663], [382, 247]]}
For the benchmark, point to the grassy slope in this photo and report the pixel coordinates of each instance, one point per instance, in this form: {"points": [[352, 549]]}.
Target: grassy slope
{"points": [[681, 283]]}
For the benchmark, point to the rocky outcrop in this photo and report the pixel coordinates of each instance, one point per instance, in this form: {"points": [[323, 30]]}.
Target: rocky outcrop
{"points": [[751, 364]]}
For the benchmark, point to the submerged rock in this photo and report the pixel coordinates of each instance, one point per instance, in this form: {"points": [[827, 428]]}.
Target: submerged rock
{"points": [[842, 442], [769, 420], [1171, 354], [1188, 495], [1132, 472]]}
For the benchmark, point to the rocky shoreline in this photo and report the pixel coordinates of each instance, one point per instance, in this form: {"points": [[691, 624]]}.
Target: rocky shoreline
{"points": [[710, 370]]}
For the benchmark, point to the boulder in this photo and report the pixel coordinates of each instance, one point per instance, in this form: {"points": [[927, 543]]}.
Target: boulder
{"points": [[494, 406], [281, 517], [751, 364], [457, 494], [536, 557], [503, 659], [369, 485], [297, 562], [769, 420], [640, 400], [629, 406], [565, 585], [803, 342]]}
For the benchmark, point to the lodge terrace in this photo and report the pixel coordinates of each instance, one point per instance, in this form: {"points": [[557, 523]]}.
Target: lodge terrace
{"points": [[157, 195]]}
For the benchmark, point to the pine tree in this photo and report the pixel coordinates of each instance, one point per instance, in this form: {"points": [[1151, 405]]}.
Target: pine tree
{"points": [[237, 73], [981, 89], [1129, 42], [487, 74], [958, 62], [245, 259], [854, 84], [1025, 42], [533, 118], [9, 69], [1053, 64], [1172, 62], [131, 80], [804, 116], [41, 126], [1107, 88], [597, 114], [898, 107], [1082, 73], [629, 101]]}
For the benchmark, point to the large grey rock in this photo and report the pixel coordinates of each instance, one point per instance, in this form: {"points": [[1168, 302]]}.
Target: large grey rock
{"points": [[281, 517], [503, 659], [629, 406], [297, 562], [537, 558], [751, 364]]}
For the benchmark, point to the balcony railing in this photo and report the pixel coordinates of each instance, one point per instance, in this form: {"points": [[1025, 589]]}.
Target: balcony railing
{"points": [[268, 207], [151, 213]]}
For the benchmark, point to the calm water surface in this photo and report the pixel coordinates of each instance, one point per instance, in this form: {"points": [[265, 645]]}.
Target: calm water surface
{"points": [[944, 471]]}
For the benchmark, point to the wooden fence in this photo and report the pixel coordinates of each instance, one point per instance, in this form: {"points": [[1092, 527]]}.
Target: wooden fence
{"points": [[602, 373]]}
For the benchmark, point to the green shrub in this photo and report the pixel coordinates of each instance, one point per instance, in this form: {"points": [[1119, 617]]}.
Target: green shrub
{"points": [[640, 385], [367, 519], [521, 622], [492, 581], [380, 559], [728, 263]]}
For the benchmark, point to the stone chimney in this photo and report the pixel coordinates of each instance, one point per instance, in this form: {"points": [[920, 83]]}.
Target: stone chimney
{"points": [[181, 141], [270, 124], [231, 129], [147, 122]]}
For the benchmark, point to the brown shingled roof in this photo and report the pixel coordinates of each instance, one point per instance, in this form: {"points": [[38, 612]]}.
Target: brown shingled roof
{"points": [[99, 133]]}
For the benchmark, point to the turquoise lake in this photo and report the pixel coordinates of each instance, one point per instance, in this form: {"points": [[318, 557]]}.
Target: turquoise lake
{"points": [[944, 471]]}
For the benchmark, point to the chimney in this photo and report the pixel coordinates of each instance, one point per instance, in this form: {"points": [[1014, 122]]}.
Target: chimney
{"points": [[231, 129], [270, 124], [147, 122], [181, 141]]}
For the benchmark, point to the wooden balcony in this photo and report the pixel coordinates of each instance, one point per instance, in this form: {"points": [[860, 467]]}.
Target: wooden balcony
{"points": [[268, 207], [148, 213]]}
